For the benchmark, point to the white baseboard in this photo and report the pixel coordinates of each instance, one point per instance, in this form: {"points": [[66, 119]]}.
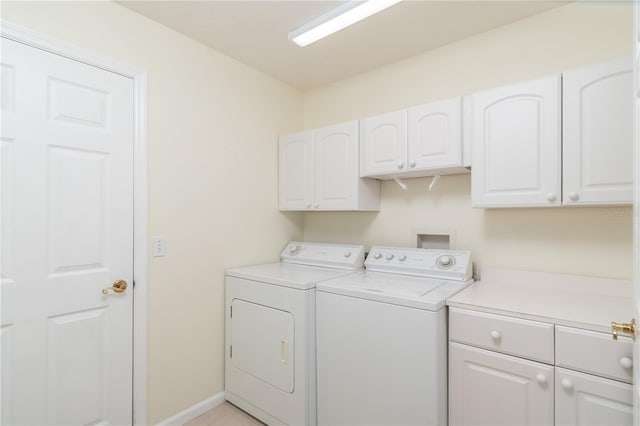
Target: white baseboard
{"points": [[194, 411]]}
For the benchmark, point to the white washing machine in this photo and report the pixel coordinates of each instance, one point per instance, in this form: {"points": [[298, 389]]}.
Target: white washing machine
{"points": [[382, 338], [270, 330]]}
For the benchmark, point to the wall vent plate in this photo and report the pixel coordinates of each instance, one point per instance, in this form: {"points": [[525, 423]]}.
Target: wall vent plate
{"points": [[441, 239]]}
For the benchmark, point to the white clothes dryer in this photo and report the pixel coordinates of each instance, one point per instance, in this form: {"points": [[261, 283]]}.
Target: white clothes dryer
{"points": [[270, 330], [382, 338]]}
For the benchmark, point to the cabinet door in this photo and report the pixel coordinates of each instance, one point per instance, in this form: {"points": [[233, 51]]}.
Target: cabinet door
{"points": [[383, 144], [435, 135], [336, 167], [487, 388], [597, 142], [516, 145], [582, 399], [295, 169]]}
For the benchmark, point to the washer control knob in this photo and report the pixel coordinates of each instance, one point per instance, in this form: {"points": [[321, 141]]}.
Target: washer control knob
{"points": [[347, 254], [377, 256], [402, 258], [389, 256], [445, 261]]}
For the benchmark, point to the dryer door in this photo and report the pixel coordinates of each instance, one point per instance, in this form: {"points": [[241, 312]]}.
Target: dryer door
{"points": [[262, 343]]}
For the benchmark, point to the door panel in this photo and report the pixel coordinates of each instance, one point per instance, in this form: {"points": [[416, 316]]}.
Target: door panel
{"points": [[598, 134], [487, 388], [582, 399], [383, 145], [516, 145], [336, 166], [67, 232], [262, 343], [296, 173], [435, 135]]}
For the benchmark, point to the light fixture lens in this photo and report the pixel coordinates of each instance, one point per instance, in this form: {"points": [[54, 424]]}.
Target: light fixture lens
{"points": [[337, 20]]}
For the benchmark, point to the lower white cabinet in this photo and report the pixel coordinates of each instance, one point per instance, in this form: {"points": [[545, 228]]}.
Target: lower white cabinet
{"points": [[488, 388], [584, 377], [583, 399]]}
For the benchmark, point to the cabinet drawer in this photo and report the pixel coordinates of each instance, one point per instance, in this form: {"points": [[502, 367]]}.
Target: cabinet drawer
{"points": [[527, 339], [595, 353]]}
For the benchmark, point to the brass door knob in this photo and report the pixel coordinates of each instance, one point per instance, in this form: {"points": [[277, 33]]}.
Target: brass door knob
{"points": [[623, 327], [117, 287]]}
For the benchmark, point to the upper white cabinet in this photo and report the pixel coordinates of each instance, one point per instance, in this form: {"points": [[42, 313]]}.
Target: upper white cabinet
{"points": [[420, 141], [515, 138], [296, 166], [528, 151], [597, 145], [319, 171], [383, 148]]}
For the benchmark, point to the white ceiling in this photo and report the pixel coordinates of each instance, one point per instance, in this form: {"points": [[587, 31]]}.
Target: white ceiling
{"points": [[255, 32]]}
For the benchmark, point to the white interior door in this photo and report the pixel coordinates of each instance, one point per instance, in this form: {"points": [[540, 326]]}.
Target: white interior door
{"points": [[636, 209], [67, 233]]}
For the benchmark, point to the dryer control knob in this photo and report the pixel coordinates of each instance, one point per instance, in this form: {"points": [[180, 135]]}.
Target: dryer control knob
{"points": [[389, 256], [377, 256], [347, 254], [402, 258]]}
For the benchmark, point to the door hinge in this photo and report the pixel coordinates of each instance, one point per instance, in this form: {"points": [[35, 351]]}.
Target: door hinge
{"points": [[230, 351]]}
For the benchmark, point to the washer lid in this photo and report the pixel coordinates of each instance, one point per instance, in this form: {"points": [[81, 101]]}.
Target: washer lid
{"points": [[416, 292], [288, 275]]}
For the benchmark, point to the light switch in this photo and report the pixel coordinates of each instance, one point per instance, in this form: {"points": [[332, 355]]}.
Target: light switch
{"points": [[158, 246]]}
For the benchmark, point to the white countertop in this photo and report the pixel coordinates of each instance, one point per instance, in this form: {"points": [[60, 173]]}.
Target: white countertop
{"points": [[575, 301]]}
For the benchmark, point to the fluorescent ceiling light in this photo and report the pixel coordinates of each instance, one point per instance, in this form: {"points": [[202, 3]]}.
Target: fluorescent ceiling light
{"points": [[338, 19]]}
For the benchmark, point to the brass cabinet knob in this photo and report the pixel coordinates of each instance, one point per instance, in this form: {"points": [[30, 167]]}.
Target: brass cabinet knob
{"points": [[117, 287], [623, 327]]}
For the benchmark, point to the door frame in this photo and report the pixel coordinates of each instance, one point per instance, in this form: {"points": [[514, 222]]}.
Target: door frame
{"points": [[140, 191]]}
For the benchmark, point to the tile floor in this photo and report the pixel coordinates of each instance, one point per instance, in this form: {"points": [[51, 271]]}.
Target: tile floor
{"points": [[225, 415]]}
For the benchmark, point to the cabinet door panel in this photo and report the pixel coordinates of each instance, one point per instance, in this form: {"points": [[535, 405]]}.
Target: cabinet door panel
{"points": [[383, 144], [598, 134], [582, 399], [435, 135], [336, 166], [487, 388], [516, 145], [295, 166]]}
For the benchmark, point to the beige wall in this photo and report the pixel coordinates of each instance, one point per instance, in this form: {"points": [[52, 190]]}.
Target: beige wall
{"points": [[591, 241], [213, 123]]}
